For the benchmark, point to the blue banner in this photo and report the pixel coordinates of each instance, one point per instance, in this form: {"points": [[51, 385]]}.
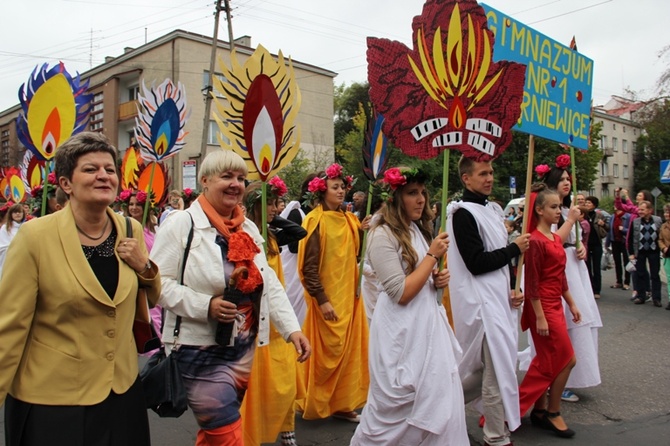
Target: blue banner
{"points": [[557, 95]]}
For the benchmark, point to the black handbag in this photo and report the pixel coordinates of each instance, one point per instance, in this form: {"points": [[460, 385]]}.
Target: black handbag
{"points": [[164, 389]]}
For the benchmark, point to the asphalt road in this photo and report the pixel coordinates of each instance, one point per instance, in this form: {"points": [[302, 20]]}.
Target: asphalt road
{"points": [[630, 407]]}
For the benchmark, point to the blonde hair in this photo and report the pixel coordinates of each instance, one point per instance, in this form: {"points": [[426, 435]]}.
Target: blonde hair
{"points": [[221, 161]]}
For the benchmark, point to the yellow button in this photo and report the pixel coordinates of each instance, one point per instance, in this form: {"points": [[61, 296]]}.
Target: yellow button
{"points": [[111, 313], [110, 334], [110, 356]]}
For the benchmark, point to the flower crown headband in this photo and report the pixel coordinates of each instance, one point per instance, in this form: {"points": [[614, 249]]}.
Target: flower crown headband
{"points": [[562, 162], [126, 194], [189, 194], [396, 177], [277, 190], [52, 183], [318, 185]]}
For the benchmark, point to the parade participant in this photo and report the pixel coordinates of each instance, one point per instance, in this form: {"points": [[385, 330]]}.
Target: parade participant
{"points": [[406, 404], [664, 244], [584, 336], [16, 215], [545, 287], [483, 304], [616, 241], [336, 377], [599, 223], [70, 372], [268, 407], [216, 376], [643, 248], [175, 203]]}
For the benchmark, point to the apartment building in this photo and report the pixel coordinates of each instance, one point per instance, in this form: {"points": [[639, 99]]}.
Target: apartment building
{"points": [[184, 57], [618, 142]]}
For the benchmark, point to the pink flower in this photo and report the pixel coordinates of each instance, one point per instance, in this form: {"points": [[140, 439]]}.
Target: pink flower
{"points": [[542, 170], [36, 191], [125, 195], [141, 197], [563, 161], [51, 178], [188, 191], [277, 186], [334, 171], [394, 178], [317, 185], [349, 181]]}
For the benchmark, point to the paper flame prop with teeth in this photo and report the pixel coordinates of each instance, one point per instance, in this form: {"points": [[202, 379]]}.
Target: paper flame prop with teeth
{"points": [[55, 107], [259, 115], [446, 92]]}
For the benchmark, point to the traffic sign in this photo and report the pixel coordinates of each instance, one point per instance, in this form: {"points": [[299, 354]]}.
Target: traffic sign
{"points": [[512, 185], [665, 171]]}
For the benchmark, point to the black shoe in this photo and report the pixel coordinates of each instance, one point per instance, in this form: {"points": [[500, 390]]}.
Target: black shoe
{"points": [[638, 301], [657, 303], [668, 307], [537, 417], [567, 433]]}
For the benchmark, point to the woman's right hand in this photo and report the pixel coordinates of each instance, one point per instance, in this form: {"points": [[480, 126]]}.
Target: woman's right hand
{"points": [[439, 246], [328, 311], [221, 310], [542, 326], [573, 214]]}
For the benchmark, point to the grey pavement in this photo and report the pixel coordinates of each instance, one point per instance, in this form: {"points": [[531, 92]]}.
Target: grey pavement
{"points": [[630, 407]]}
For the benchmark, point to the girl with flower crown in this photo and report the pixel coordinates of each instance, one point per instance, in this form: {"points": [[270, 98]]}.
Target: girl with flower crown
{"points": [[268, 408], [336, 377], [583, 335], [407, 403]]}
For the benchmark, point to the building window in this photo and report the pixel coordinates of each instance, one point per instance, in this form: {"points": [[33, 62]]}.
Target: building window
{"points": [[592, 191], [603, 142], [605, 192], [5, 133], [613, 126], [615, 142], [133, 93], [624, 129], [634, 146], [603, 169], [634, 131], [624, 146], [615, 170], [205, 79], [97, 113], [625, 172], [212, 134]]}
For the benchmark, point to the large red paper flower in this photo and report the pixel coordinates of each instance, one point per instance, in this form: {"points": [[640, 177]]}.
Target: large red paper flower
{"points": [[446, 93]]}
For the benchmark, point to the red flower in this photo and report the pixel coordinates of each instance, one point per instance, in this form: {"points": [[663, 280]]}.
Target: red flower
{"points": [[141, 197], [542, 170], [563, 161], [317, 185], [125, 195], [188, 191], [51, 178], [277, 187], [394, 178], [334, 171]]}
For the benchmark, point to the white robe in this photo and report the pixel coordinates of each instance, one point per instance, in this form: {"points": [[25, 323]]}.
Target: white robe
{"points": [[415, 395], [480, 307], [5, 239], [289, 260]]}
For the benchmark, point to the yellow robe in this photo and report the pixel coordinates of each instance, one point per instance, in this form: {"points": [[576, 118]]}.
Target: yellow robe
{"points": [[268, 407], [336, 375]]}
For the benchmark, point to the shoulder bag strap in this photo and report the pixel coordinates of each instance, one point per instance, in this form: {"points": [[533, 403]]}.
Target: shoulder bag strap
{"points": [[177, 324]]}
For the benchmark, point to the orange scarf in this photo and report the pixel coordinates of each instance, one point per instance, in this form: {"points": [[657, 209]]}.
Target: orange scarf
{"points": [[241, 247]]}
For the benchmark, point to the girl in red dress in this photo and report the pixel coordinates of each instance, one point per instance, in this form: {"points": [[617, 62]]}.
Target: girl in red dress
{"points": [[545, 285]]}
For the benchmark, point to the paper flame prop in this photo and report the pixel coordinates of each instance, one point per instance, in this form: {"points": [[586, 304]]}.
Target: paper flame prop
{"points": [[160, 183], [375, 152], [12, 186], [447, 92], [162, 115], [33, 171], [55, 107], [130, 168], [259, 117]]}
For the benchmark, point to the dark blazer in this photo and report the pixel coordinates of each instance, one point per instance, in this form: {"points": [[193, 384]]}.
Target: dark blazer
{"points": [[64, 341]]}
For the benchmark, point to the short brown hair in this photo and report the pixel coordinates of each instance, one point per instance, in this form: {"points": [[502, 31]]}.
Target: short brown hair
{"points": [[78, 145]]}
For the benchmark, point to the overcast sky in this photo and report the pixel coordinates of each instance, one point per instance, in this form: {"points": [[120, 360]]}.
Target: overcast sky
{"points": [[623, 42]]}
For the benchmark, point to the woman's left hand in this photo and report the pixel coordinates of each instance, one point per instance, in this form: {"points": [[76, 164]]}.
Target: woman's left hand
{"points": [[129, 251], [301, 344], [576, 315], [441, 278], [365, 224], [581, 252]]}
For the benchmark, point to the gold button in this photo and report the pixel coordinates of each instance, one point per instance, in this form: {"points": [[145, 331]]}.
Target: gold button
{"points": [[111, 313], [110, 356], [110, 334]]}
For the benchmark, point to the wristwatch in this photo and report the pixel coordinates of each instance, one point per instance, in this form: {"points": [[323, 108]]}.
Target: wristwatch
{"points": [[147, 267]]}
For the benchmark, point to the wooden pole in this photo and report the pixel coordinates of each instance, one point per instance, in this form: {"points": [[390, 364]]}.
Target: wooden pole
{"points": [[524, 220]]}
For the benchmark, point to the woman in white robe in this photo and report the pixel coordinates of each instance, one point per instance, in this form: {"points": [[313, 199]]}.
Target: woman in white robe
{"points": [[415, 395]]}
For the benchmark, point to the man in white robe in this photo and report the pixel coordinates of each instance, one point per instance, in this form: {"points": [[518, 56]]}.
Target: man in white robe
{"points": [[483, 306]]}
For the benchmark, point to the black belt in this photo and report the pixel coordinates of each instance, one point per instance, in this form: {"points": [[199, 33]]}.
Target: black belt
{"points": [[569, 245]]}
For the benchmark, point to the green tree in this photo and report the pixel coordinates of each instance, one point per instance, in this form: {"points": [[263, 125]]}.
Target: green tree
{"points": [[294, 174], [347, 101], [653, 146]]}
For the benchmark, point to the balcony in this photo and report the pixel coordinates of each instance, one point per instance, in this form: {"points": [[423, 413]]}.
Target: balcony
{"points": [[607, 179], [127, 110], [608, 151]]}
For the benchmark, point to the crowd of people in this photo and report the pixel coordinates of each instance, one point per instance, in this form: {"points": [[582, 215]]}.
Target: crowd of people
{"points": [[268, 319]]}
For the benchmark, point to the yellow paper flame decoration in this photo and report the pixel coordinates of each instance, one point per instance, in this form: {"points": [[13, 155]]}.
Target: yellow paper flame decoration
{"points": [[446, 75], [230, 109]]}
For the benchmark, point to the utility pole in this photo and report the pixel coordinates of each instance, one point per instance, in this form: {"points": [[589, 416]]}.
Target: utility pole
{"points": [[208, 88]]}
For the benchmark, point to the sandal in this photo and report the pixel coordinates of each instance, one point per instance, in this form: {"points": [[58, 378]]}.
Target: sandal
{"points": [[616, 285], [626, 287], [352, 416]]}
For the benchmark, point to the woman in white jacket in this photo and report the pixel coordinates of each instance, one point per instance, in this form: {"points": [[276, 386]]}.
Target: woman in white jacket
{"points": [[216, 372]]}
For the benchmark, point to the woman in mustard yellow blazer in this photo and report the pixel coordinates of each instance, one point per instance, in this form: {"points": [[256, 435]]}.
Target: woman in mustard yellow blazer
{"points": [[68, 293]]}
